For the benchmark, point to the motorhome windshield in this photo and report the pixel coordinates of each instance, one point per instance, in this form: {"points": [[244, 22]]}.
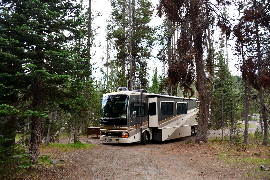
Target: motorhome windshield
{"points": [[114, 106]]}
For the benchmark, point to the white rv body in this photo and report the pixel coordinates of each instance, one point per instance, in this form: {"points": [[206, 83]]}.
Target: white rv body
{"points": [[137, 116]]}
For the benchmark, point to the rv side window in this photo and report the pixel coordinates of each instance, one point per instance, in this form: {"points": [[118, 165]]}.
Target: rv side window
{"points": [[167, 108], [136, 107], [181, 108], [152, 109]]}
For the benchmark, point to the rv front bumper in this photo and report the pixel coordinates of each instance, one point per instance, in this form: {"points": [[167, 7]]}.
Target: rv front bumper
{"points": [[109, 139]]}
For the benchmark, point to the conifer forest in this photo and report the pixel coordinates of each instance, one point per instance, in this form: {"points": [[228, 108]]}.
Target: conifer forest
{"points": [[55, 66]]}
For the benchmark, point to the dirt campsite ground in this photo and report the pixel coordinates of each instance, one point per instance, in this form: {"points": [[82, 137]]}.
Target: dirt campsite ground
{"points": [[172, 160]]}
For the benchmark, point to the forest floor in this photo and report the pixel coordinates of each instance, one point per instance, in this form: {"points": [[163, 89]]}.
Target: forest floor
{"points": [[175, 159]]}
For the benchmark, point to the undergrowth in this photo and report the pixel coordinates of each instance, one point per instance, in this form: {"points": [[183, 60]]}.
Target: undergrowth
{"points": [[18, 166], [14, 164], [246, 157]]}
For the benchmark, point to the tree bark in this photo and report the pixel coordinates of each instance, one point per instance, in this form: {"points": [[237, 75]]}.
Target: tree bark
{"points": [[75, 135], [204, 105], [48, 135], [35, 139], [197, 24], [246, 105], [89, 26], [203, 91], [260, 62]]}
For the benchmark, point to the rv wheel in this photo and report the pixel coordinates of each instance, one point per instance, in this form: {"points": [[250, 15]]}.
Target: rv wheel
{"points": [[193, 131], [144, 138]]}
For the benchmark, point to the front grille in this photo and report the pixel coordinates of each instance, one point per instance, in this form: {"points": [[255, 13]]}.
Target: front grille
{"points": [[112, 134]]}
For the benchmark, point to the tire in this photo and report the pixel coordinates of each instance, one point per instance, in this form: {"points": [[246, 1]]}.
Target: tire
{"points": [[144, 138], [193, 131]]}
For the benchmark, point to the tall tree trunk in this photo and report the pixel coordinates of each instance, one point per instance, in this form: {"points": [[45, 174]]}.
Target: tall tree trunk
{"points": [[246, 102], [89, 27], [76, 129], [51, 119], [264, 119], [203, 91], [246, 105], [132, 64], [169, 49], [200, 70], [35, 139], [48, 136], [222, 114], [261, 97]]}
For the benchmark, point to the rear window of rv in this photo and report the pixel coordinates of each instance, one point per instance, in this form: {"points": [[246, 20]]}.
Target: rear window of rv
{"points": [[181, 108]]}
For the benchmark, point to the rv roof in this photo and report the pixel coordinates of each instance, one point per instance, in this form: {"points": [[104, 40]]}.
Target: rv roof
{"points": [[148, 94]]}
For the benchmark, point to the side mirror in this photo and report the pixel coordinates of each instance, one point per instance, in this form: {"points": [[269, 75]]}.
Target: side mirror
{"points": [[133, 114]]}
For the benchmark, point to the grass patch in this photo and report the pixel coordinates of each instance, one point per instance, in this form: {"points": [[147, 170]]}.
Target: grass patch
{"points": [[44, 159], [255, 160], [67, 147], [246, 157], [249, 126]]}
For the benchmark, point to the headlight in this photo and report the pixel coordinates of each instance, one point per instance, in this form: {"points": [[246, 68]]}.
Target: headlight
{"points": [[125, 134]]}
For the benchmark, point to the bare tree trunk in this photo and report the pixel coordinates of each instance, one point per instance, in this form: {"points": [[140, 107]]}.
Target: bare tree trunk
{"points": [[260, 62], [264, 119], [35, 139], [69, 136], [89, 27], [222, 114], [169, 49], [52, 117], [246, 105], [197, 24], [75, 129], [203, 91], [204, 106], [48, 136], [132, 63]]}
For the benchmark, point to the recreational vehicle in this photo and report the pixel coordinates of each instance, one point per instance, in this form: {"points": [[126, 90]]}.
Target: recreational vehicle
{"points": [[138, 116]]}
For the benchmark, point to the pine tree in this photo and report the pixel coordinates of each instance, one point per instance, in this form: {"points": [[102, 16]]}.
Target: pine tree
{"points": [[252, 33], [34, 39], [225, 97], [192, 19], [155, 84], [132, 38]]}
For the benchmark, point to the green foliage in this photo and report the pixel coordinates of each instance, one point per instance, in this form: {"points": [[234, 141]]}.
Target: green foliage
{"points": [[44, 62], [45, 159], [15, 165], [252, 44], [226, 101], [164, 84], [155, 84], [257, 136], [36, 113], [7, 110], [132, 37]]}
